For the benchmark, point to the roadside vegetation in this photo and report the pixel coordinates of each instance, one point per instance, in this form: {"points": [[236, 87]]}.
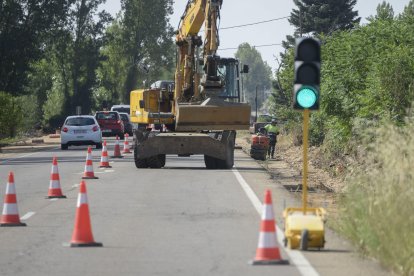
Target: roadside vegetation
{"points": [[376, 206], [56, 56], [365, 125]]}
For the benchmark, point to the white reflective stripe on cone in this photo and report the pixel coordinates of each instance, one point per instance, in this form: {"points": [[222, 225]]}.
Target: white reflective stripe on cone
{"points": [[55, 170], [267, 240], [10, 189], [82, 199], [54, 184], [267, 213], [88, 168], [10, 209]]}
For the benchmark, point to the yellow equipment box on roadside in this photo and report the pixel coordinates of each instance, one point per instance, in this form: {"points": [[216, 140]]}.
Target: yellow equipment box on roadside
{"points": [[304, 230]]}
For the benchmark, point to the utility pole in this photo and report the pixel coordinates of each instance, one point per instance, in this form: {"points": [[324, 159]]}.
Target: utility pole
{"points": [[256, 104]]}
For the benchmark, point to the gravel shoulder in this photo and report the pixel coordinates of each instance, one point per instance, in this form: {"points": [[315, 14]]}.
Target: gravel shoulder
{"points": [[286, 170], [30, 145]]}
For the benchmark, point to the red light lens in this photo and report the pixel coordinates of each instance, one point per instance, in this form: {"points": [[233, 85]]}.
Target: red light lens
{"points": [[65, 129], [95, 128]]}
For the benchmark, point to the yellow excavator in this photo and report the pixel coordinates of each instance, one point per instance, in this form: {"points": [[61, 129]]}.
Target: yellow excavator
{"points": [[200, 111]]}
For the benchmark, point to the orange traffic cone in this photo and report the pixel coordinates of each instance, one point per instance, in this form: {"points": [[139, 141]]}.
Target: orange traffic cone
{"points": [[54, 187], [104, 157], [10, 216], [117, 149], [82, 232], [88, 173], [126, 144], [267, 250]]}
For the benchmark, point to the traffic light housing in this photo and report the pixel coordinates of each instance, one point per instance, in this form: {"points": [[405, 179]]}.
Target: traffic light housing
{"points": [[306, 90]]}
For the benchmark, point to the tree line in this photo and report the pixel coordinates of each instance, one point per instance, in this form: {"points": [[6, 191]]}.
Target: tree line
{"points": [[365, 121], [59, 55], [367, 71]]}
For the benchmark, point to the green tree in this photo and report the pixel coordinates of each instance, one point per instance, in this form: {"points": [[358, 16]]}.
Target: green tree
{"points": [[384, 12], [112, 71], [87, 40], [24, 26], [408, 10], [139, 48], [146, 37], [63, 76], [281, 100], [323, 16], [10, 115], [259, 77]]}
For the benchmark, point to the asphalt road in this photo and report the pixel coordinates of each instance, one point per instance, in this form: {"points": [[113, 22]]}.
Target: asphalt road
{"points": [[179, 220]]}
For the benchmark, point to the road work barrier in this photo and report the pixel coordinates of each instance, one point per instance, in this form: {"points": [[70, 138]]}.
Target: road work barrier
{"points": [[10, 215], [104, 157], [88, 173], [126, 144], [82, 232], [117, 149], [267, 252], [54, 186]]}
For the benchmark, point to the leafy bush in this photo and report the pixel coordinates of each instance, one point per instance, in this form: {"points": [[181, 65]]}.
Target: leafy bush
{"points": [[10, 115]]}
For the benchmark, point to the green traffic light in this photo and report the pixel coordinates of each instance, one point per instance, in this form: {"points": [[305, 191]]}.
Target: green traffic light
{"points": [[306, 97]]}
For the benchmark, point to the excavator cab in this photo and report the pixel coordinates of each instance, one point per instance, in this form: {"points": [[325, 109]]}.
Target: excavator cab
{"points": [[228, 71], [220, 107]]}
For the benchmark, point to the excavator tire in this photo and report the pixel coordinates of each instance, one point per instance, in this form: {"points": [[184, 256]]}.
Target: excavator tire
{"points": [[155, 162], [215, 163], [162, 159], [211, 162], [140, 162], [229, 161]]}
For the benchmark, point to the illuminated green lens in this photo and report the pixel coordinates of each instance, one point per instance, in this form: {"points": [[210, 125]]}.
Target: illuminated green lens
{"points": [[306, 97]]}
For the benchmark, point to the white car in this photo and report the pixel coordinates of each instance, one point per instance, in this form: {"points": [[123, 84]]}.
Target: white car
{"points": [[121, 108], [80, 130]]}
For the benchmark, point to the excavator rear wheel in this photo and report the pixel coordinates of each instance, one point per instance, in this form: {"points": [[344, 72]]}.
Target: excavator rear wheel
{"points": [[162, 158], [215, 163], [155, 161], [211, 162], [229, 161], [140, 162]]}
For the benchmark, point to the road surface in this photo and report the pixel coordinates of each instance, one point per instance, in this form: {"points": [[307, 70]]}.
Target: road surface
{"points": [[179, 220]]}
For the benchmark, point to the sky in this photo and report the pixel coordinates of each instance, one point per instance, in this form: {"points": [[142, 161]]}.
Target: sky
{"points": [[239, 12]]}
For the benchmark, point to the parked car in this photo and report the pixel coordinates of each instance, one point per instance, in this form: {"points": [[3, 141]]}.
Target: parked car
{"points": [[80, 130], [121, 108], [127, 123], [110, 123]]}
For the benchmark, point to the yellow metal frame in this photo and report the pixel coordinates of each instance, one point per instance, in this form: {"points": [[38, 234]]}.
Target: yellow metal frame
{"points": [[297, 220]]}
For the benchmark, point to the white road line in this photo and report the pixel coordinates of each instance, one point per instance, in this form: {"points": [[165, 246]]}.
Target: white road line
{"points": [[27, 215], [296, 257]]}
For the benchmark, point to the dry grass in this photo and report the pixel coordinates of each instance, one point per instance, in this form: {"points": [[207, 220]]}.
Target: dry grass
{"points": [[378, 205]]}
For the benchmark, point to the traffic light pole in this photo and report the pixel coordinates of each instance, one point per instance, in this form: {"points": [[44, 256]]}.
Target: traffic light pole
{"points": [[305, 159]]}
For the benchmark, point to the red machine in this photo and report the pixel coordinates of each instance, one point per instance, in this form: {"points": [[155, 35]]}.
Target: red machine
{"points": [[259, 146]]}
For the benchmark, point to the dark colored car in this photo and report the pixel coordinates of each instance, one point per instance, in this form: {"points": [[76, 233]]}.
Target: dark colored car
{"points": [[110, 123], [127, 123]]}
